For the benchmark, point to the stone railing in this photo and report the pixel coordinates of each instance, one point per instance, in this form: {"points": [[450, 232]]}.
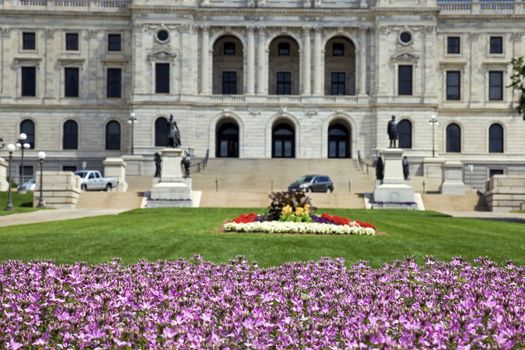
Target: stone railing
{"points": [[97, 5], [481, 6]]}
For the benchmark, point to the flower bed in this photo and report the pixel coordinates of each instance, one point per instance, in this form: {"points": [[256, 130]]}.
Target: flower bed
{"points": [[324, 304], [292, 212]]}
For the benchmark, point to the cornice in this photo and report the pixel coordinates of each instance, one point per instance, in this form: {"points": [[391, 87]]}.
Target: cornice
{"points": [[64, 14]]}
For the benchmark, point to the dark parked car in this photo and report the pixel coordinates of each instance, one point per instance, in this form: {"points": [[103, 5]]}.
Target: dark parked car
{"points": [[313, 183]]}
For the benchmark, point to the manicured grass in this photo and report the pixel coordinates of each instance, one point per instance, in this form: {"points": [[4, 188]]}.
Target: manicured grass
{"points": [[180, 233], [21, 203]]}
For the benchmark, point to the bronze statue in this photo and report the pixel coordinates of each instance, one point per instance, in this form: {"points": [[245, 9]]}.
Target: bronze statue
{"points": [[392, 132], [186, 163], [406, 170], [174, 134], [158, 162], [380, 169]]}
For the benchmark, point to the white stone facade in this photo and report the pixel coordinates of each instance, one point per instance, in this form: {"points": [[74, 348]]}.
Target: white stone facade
{"points": [[369, 30]]}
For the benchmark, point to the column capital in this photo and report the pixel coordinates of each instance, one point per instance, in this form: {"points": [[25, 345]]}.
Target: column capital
{"points": [[250, 29], [204, 27]]}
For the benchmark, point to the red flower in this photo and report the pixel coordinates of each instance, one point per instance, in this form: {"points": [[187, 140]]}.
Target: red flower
{"points": [[244, 218]]}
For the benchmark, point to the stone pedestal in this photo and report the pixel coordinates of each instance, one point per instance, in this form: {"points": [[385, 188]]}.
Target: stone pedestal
{"points": [[61, 189], [172, 189], [116, 167], [4, 185], [453, 179], [393, 192]]}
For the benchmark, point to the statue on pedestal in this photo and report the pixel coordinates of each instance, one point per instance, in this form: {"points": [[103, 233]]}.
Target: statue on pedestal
{"points": [[392, 132], [186, 163], [174, 134], [158, 162], [406, 170], [380, 169]]}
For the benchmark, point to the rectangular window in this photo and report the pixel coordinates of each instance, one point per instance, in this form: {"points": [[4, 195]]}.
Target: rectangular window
{"points": [[453, 85], [162, 78], [284, 83], [71, 82], [229, 48], [405, 80], [114, 83], [28, 41], [453, 45], [338, 49], [28, 172], [495, 85], [29, 81], [229, 83], [496, 44], [114, 42], [72, 41], [338, 83], [283, 49]]}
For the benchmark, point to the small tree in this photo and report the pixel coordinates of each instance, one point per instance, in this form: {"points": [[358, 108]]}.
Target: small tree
{"points": [[518, 82]]}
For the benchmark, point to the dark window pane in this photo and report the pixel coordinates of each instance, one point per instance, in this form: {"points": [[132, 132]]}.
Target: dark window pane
{"points": [[229, 48], [28, 41], [453, 85], [162, 128], [28, 81], [496, 44], [495, 85], [229, 83], [405, 80], [284, 49], [71, 82], [338, 86], [284, 83], [113, 135], [496, 138], [283, 141], [228, 140], [72, 41], [114, 82], [493, 172], [162, 78], [453, 138], [70, 137], [114, 42], [453, 45], [338, 49], [404, 131], [28, 127]]}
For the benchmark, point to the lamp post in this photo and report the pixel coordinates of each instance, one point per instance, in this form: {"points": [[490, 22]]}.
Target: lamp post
{"points": [[41, 157], [10, 148], [434, 121], [22, 145], [131, 121]]}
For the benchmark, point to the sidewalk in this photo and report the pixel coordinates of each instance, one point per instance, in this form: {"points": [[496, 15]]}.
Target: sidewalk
{"points": [[487, 215], [54, 215]]}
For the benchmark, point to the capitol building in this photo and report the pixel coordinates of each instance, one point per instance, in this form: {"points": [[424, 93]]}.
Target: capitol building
{"points": [[304, 79]]}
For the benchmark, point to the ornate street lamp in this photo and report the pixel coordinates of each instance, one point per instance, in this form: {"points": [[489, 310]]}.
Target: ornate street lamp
{"points": [[10, 148], [434, 121], [41, 157], [22, 145], [131, 121]]}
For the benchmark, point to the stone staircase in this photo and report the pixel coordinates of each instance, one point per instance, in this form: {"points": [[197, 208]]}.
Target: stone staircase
{"points": [[110, 200]]}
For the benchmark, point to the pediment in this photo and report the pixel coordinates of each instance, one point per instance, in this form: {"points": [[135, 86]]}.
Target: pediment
{"points": [[162, 55], [405, 57]]}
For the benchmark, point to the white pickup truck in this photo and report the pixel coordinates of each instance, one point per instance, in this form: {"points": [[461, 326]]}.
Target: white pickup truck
{"points": [[93, 180]]}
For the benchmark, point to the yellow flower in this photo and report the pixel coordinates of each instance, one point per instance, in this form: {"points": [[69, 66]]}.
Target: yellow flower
{"points": [[299, 211], [307, 208], [287, 210]]}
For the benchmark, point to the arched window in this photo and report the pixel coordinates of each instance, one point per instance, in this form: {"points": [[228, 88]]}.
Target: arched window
{"points": [[28, 127], [283, 141], [404, 132], [70, 135], [453, 138], [162, 129], [284, 66], [113, 135], [496, 138], [228, 66], [338, 141], [228, 140], [339, 67]]}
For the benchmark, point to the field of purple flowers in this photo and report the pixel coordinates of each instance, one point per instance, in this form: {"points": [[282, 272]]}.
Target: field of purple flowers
{"points": [[323, 304]]}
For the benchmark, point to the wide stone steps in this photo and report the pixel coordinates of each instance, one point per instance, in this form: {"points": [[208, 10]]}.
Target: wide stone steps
{"points": [[110, 200]]}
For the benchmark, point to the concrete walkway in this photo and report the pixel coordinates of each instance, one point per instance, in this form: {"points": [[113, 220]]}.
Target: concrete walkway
{"points": [[487, 215], [54, 215]]}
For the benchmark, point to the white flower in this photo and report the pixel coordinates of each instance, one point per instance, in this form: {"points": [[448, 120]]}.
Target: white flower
{"points": [[299, 227]]}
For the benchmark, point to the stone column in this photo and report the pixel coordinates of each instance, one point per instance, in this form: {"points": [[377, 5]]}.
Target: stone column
{"points": [[362, 61], [318, 73], [3, 178], [205, 69], [262, 75], [307, 59], [116, 167], [250, 58]]}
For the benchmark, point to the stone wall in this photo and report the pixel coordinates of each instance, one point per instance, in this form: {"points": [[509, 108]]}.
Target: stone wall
{"points": [[505, 193], [61, 189]]}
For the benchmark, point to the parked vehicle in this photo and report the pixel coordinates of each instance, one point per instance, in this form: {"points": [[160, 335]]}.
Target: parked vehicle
{"points": [[93, 180], [313, 183], [29, 185]]}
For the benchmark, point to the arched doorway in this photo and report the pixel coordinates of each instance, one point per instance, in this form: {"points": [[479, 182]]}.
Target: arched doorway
{"points": [[339, 141], [28, 127], [284, 66], [113, 135], [453, 138], [404, 131], [162, 128], [70, 135], [339, 66], [283, 140], [227, 137], [228, 70], [496, 138]]}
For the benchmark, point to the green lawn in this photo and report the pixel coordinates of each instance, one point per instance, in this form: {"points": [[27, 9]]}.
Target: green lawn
{"points": [[174, 233], [21, 203]]}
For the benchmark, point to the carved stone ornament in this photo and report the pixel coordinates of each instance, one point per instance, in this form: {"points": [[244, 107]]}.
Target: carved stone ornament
{"points": [[516, 37], [50, 33], [161, 56], [405, 57], [6, 32]]}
